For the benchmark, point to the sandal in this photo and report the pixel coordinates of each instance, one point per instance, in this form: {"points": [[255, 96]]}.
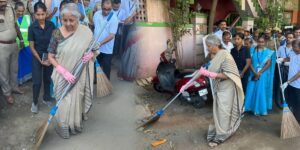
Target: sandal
{"points": [[10, 100], [212, 144], [18, 91]]}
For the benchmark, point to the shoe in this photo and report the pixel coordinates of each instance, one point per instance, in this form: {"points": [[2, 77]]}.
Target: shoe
{"points": [[34, 108], [18, 91], [10, 99], [50, 103]]}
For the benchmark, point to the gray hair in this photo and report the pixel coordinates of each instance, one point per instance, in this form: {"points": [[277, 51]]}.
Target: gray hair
{"points": [[70, 8], [212, 39]]}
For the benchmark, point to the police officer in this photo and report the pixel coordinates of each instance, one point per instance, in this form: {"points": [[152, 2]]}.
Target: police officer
{"points": [[9, 31]]}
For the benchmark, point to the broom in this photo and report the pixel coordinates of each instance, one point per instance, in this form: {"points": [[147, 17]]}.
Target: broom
{"points": [[155, 117], [104, 87], [41, 131], [289, 125]]}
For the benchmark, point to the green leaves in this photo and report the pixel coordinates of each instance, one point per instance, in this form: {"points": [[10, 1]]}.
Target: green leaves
{"points": [[272, 16], [180, 18]]}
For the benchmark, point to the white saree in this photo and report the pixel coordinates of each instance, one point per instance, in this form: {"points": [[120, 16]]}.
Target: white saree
{"points": [[78, 101]]}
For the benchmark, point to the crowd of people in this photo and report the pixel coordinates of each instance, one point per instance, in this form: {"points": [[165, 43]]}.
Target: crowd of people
{"points": [[45, 41], [245, 76]]}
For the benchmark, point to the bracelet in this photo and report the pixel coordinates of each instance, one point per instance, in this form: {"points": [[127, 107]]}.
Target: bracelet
{"points": [[21, 40]]}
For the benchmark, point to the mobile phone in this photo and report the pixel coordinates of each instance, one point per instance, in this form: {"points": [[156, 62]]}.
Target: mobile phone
{"points": [[45, 57]]}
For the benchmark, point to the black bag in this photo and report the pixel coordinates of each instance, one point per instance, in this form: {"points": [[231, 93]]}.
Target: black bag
{"points": [[166, 75]]}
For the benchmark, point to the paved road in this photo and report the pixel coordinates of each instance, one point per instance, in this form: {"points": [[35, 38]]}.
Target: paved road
{"points": [[111, 124]]}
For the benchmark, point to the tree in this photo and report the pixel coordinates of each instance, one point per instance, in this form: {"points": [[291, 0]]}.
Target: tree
{"points": [[212, 16], [180, 17], [272, 16]]}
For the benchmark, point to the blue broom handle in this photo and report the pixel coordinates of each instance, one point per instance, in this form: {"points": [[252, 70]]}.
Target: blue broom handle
{"points": [[279, 71], [190, 81]]}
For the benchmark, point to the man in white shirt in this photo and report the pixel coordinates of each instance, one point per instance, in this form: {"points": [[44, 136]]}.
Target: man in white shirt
{"points": [[107, 37], [226, 41], [222, 27], [283, 55], [130, 7], [293, 83], [120, 12]]}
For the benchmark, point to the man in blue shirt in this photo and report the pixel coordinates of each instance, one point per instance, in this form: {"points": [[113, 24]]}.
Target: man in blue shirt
{"points": [[283, 55], [222, 27], [107, 37]]}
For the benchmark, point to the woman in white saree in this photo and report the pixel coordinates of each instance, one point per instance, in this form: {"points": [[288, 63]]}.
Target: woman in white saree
{"points": [[67, 47], [227, 92]]}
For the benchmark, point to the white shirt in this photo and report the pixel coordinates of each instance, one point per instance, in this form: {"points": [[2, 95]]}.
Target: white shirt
{"points": [[284, 52], [129, 6], [55, 3], [219, 34], [120, 15], [93, 3], [110, 28], [206, 52], [294, 69], [228, 46]]}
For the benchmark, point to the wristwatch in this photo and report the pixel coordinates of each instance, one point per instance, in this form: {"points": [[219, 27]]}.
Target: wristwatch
{"points": [[22, 41]]}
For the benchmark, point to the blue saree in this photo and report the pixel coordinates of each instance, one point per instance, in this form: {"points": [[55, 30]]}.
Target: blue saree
{"points": [[259, 96], [25, 65], [25, 56]]}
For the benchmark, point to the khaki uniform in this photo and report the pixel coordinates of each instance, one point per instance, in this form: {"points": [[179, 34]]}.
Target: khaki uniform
{"points": [[8, 52]]}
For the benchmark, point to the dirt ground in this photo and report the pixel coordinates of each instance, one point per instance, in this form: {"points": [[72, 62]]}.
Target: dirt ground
{"points": [[113, 120], [185, 127]]}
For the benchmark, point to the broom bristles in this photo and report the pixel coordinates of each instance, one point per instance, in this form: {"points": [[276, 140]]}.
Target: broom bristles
{"points": [[40, 134], [104, 87], [289, 127]]}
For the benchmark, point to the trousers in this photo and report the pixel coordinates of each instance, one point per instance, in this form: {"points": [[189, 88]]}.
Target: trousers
{"points": [[9, 54], [105, 63], [41, 73]]}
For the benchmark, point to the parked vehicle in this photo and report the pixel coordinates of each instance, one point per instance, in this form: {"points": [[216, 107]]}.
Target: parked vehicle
{"points": [[170, 79]]}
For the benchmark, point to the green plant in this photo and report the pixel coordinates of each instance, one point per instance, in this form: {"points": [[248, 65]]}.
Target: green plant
{"points": [[180, 17], [272, 16]]}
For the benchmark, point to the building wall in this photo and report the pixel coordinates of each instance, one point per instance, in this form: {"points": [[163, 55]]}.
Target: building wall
{"points": [[292, 6]]}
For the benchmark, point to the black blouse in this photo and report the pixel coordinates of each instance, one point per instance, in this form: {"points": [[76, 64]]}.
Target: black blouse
{"points": [[41, 37], [240, 56]]}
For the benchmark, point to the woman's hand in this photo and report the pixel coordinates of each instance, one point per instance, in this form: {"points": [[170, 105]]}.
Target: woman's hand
{"points": [[46, 63], [66, 74], [257, 75], [87, 57], [242, 74], [207, 73]]}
